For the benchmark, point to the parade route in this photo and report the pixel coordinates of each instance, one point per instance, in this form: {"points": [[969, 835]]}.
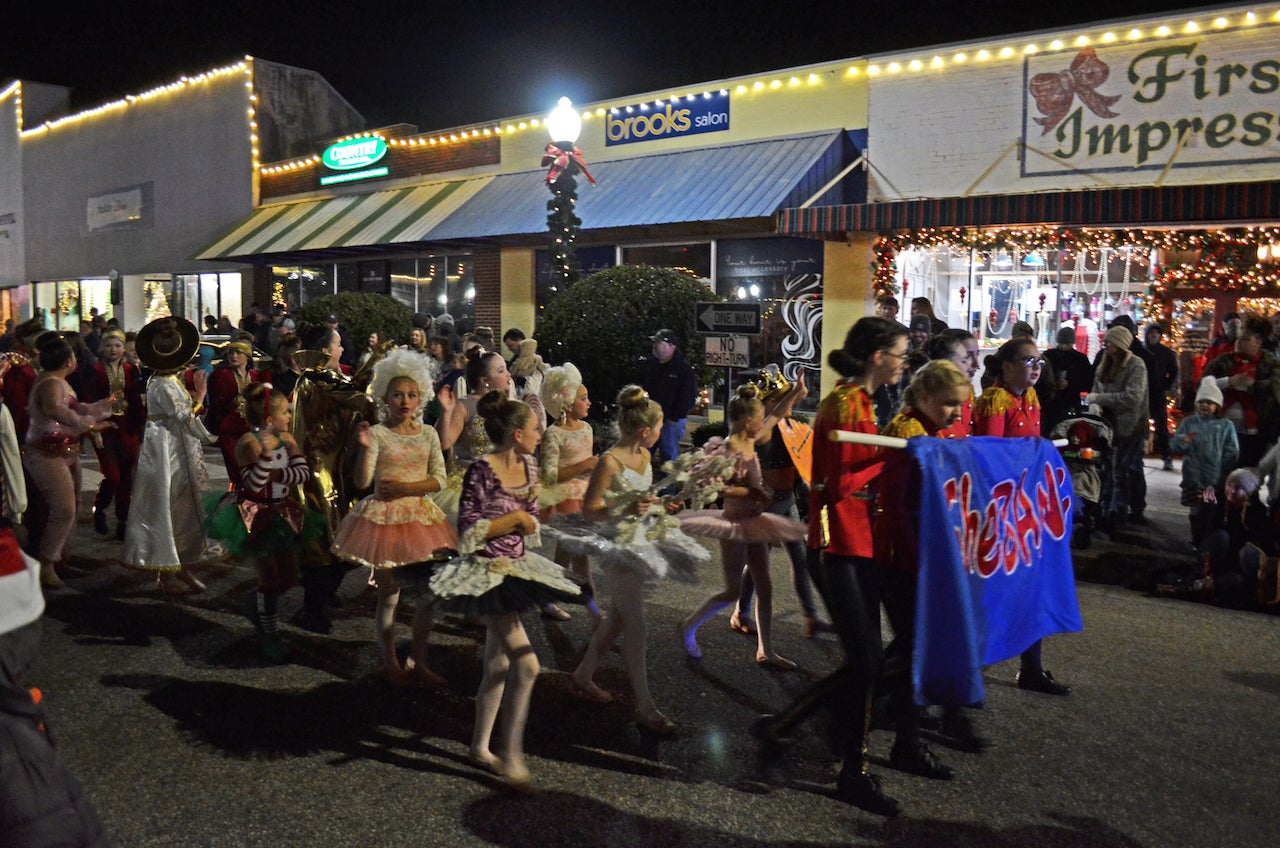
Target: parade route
{"points": [[183, 738]]}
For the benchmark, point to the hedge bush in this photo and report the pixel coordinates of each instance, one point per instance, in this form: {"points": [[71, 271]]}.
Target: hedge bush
{"points": [[359, 314]]}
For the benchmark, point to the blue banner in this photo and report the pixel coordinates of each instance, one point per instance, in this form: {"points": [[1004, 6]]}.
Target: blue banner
{"points": [[674, 118], [995, 559]]}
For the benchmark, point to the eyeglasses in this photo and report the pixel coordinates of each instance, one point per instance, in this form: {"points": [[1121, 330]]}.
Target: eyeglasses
{"points": [[1034, 361]]}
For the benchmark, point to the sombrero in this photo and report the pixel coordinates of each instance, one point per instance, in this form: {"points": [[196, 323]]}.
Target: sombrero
{"points": [[167, 344]]}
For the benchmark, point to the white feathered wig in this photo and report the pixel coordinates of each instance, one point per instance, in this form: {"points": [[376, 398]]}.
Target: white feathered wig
{"points": [[422, 370], [560, 389]]}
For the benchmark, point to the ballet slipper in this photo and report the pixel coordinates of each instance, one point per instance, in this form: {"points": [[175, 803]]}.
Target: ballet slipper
{"points": [[170, 587], [49, 576], [689, 641], [775, 661], [590, 691], [397, 678], [516, 778], [486, 761], [656, 722], [191, 580], [742, 624], [424, 676]]}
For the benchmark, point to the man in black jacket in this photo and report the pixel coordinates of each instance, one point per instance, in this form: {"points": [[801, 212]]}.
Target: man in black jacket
{"points": [[668, 378], [1162, 374]]}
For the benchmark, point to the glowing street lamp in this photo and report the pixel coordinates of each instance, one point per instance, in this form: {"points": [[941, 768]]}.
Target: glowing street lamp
{"points": [[563, 161]]}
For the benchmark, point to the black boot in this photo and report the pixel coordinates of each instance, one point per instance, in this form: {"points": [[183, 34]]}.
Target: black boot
{"points": [[100, 521], [315, 601], [863, 791]]}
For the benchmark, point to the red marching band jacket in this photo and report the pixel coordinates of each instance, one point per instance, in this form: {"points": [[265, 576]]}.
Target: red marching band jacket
{"points": [[844, 475]]}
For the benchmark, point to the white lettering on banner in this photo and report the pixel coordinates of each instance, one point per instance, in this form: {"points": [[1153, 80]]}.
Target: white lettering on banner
{"points": [[1198, 101], [729, 351]]}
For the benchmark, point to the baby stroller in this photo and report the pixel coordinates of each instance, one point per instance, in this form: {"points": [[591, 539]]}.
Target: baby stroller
{"points": [[1087, 457]]}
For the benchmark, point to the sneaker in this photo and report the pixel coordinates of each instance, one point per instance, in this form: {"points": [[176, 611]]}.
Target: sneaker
{"points": [[914, 757], [863, 791]]}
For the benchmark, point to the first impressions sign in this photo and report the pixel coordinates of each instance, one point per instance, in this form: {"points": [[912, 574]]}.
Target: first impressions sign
{"points": [[1185, 101]]}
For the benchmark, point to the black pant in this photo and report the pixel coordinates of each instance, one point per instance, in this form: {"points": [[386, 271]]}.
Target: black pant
{"points": [[850, 587]]}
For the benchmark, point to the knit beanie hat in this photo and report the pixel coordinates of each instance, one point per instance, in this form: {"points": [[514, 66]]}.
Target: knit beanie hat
{"points": [[1119, 336], [1067, 335], [1209, 391]]}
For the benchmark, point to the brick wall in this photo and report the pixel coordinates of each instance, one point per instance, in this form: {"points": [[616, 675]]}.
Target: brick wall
{"points": [[486, 273]]}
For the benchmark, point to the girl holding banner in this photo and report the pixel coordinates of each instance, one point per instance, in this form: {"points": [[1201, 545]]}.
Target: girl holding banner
{"points": [[1010, 408], [847, 576]]}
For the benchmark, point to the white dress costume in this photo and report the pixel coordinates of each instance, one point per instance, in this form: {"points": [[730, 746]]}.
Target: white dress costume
{"points": [[166, 520], [651, 546]]}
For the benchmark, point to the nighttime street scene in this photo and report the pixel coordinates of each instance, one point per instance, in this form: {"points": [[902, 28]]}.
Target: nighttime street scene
{"points": [[646, 424]]}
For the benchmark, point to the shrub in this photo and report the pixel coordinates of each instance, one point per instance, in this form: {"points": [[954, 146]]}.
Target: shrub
{"points": [[359, 314], [602, 324]]}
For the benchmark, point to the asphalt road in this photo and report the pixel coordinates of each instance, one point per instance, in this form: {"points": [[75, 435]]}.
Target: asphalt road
{"points": [[183, 738]]}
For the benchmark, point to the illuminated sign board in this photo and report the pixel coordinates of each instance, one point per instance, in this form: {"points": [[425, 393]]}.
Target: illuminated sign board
{"points": [[674, 118], [352, 158]]}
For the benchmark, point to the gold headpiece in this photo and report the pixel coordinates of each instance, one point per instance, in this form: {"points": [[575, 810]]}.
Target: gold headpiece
{"points": [[771, 382]]}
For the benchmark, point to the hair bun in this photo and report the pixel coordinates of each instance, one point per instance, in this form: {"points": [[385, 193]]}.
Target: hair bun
{"points": [[632, 397], [747, 391], [492, 404]]}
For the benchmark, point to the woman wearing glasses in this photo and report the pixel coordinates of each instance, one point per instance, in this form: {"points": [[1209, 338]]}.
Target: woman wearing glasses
{"points": [[1010, 407]]}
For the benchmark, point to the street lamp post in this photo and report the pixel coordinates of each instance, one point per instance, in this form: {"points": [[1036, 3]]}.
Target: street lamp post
{"points": [[564, 161]]}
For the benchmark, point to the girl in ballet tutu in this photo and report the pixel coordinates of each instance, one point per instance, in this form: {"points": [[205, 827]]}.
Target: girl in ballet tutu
{"points": [[635, 541], [497, 578], [567, 461], [398, 531], [744, 529], [259, 520]]}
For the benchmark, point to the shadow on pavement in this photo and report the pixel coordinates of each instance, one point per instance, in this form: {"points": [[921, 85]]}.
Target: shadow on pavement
{"points": [[585, 822]]}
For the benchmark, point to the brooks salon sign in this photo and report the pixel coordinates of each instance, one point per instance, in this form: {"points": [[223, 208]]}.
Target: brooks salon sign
{"points": [[1187, 100]]}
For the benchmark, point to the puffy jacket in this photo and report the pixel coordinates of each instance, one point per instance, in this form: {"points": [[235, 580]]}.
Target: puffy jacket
{"points": [[1207, 460], [1124, 398]]}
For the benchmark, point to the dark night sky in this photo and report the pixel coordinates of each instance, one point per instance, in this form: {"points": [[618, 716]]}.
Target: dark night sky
{"points": [[440, 65]]}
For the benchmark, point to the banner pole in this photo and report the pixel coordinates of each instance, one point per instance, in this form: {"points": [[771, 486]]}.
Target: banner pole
{"points": [[874, 440]]}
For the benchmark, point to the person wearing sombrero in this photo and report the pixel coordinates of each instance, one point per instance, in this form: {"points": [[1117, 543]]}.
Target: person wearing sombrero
{"points": [[118, 452], [165, 532], [226, 384]]}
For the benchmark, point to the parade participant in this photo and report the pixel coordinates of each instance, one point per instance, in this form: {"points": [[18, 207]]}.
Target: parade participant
{"points": [[226, 383], [619, 498], [284, 372], [743, 527], [462, 432], [960, 348], [118, 451], [328, 408], [13, 482], [841, 507], [22, 374], [259, 520], [1010, 407], [165, 533], [779, 474], [498, 578], [57, 423], [567, 458], [933, 403], [398, 526]]}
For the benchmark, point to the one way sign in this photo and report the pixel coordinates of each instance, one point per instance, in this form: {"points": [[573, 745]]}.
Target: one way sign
{"points": [[729, 318]]}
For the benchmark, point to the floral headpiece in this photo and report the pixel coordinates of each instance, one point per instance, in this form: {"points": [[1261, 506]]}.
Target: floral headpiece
{"points": [[560, 389], [422, 370]]}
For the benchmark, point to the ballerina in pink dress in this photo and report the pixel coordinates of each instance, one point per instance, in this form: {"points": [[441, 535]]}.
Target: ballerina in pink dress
{"points": [[398, 531], [744, 529]]}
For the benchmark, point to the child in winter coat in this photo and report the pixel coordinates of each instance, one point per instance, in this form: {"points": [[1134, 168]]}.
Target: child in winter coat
{"points": [[1209, 448]]}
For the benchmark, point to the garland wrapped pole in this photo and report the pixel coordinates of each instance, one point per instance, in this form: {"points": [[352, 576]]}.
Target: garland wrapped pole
{"points": [[563, 161]]}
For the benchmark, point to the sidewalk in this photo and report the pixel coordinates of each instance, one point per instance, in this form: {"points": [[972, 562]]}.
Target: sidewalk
{"points": [[1135, 554]]}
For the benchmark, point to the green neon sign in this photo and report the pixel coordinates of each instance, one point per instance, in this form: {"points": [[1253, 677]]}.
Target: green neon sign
{"points": [[354, 153]]}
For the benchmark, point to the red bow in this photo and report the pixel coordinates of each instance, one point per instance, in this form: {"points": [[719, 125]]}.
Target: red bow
{"points": [[1054, 93], [559, 161]]}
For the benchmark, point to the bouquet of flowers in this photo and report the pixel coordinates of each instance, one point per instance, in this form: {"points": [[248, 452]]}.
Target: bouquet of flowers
{"points": [[696, 477]]}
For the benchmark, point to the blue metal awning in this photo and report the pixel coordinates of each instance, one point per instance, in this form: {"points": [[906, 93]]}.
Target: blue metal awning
{"points": [[732, 182]]}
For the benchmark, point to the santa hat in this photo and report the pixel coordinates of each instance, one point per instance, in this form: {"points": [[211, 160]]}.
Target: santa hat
{"points": [[21, 601]]}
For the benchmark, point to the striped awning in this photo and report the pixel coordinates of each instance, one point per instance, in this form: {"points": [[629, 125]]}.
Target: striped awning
{"points": [[1167, 205], [331, 225]]}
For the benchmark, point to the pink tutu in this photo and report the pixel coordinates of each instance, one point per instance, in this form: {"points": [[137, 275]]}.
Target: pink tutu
{"points": [[388, 534], [767, 527]]}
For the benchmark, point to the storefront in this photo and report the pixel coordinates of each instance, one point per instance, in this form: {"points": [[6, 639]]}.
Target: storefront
{"points": [[129, 191], [1074, 175]]}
